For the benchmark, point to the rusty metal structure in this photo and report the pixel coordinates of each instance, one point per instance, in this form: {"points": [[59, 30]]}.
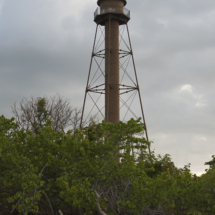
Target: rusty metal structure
{"points": [[112, 20]]}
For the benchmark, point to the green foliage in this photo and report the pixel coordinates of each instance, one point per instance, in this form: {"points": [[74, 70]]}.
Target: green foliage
{"points": [[211, 163], [68, 169], [42, 114]]}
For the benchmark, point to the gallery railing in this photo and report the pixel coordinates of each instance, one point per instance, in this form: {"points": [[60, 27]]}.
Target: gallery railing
{"points": [[117, 10]]}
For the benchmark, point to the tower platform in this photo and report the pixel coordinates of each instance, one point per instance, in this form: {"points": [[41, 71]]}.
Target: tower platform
{"points": [[115, 9]]}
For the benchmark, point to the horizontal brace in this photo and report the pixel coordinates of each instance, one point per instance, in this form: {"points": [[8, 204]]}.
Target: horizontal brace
{"points": [[100, 51], [126, 92], [123, 85], [124, 56], [96, 86], [134, 88], [99, 56], [124, 51], [96, 92]]}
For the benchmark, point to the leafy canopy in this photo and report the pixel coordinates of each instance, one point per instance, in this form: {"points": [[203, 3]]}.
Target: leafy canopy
{"points": [[52, 170]]}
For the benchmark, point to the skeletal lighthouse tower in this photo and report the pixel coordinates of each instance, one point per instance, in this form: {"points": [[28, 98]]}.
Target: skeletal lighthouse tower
{"points": [[111, 18]]}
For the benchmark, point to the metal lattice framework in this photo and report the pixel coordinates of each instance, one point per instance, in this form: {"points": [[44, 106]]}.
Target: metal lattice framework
{"points": [[128, 86]]}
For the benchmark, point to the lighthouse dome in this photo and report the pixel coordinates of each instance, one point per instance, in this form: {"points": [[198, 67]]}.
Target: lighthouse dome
{"points": [[112, 1]]}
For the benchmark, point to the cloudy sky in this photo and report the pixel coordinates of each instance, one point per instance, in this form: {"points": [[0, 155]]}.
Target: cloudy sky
{"points": [[45, 48]]}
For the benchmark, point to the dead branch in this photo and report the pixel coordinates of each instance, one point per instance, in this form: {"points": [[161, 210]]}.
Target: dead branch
{"points": [[60, 212], [50, 205], [97, 202], [63, 116], [15, 206]]}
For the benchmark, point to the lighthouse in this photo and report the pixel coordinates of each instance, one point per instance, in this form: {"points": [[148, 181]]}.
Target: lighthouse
{"points": [[111, 15]]}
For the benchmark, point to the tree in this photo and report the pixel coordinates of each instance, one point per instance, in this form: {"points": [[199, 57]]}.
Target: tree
{"points": [[35, 167], [54, 171], [32, 114], [211, 163]]}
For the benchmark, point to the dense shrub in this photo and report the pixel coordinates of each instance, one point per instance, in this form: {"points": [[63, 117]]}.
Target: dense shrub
{"points": [[51, 170]]}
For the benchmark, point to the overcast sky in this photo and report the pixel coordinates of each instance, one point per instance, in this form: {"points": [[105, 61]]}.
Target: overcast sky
{"points": [[45, 48]]}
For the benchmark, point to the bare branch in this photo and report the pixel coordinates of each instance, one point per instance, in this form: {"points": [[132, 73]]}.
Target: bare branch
{"points": [[15, 206], [44, 167], [50, 205], [97, 202], [57, 108], [60, 212]]}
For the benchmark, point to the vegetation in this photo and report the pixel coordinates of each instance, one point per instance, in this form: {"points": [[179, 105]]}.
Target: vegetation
{"points": [[33, 113], [211, 163], [51, 170]]}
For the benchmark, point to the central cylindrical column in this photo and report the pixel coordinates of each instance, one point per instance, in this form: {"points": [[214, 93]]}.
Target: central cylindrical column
{"points": [[112, 103], [111, 15]]}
